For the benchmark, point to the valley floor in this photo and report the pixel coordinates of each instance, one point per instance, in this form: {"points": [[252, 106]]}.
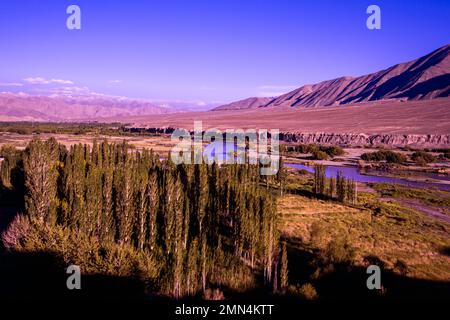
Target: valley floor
{"points": [[396, 229], [381, 117], [403, 229]]}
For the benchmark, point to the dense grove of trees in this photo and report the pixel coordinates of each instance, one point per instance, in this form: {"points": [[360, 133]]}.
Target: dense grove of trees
{"points": [[109, 129], [63, 128], [190, 217], [319, 152], [384, 155], [444, 153], [422, 157]]}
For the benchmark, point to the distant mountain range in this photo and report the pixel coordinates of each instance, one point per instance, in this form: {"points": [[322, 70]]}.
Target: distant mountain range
{"points": [[25, 107], [425, 78]]}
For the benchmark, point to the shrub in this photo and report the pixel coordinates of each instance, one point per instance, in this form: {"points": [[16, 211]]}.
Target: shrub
{"points": [[338, 252], [215, 294], [319, 155], [374, 260], [401, 267], [423, 157], [329, 151], [228, 271], [306, 291], [23, 131], [14, 236], [25, 235], [332, 151], [444, 156], [337, 255], [384, 155], [317, 233], [442, 150]]}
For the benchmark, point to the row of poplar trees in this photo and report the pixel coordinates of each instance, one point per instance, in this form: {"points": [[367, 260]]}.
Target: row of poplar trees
{"points": [[344, 190], [187, 213]]}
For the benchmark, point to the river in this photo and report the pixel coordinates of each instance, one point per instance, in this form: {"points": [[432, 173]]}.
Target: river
{"points": [[223, 152], [355, 174]]}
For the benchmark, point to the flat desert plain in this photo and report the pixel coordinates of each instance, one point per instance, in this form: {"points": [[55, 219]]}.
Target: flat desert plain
{"points": [[384, 117]]}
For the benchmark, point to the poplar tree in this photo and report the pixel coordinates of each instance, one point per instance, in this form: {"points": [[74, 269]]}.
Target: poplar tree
{"points": [[124, 190], [319, 179], [11, 159], [107, 230], [40, 161], [351, 191], [172, 194], [203, 262], [201, 194], [255, 229], [186, 220], [284, 272], [332, 188], [92, 220], [340, 187], [75, 186], [153, 203], [192, 278], [178, 225], [268, 234], [142, 182], [281, 176], [178, 270], [213, 203]]}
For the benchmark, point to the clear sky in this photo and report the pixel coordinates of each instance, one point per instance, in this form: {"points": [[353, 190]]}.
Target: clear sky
{"points": [[210, 50]]}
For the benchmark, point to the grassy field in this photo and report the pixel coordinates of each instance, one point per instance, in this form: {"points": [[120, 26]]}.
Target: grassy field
{"points": [[405, 240], [432, 198]]}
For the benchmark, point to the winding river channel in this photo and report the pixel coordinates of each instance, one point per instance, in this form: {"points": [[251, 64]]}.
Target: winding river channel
{"points": [[374, 176]]}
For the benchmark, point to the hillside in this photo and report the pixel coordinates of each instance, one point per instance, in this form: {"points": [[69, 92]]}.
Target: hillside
{"points": [[249, 103], [425, 78]]}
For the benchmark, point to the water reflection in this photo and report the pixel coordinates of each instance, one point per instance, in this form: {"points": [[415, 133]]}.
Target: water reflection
{"points": [[221, 152]]}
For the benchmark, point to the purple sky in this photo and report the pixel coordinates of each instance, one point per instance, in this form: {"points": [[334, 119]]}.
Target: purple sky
{"points": [[211, 51]]}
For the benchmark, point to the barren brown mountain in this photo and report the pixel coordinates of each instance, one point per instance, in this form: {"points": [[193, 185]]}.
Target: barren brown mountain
{"points": [[425, 78], [249, 103]]}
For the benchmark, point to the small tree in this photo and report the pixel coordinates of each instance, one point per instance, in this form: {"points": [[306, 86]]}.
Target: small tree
{"points": [[281, 176], [332, 188], [319, 179], [284, 272], [351, 191], [340, 187]]}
